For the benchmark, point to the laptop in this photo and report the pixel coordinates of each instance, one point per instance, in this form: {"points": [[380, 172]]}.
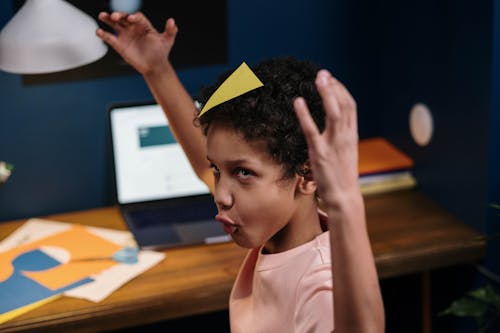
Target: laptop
{"points": [[160, 197]]}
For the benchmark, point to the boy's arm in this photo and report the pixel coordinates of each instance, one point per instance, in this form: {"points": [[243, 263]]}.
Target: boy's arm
{"points": [[147, 50], [181, 111], [333, 155]]}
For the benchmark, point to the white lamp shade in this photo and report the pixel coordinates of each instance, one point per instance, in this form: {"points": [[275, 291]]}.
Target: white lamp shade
{"points": [[49, 36]]}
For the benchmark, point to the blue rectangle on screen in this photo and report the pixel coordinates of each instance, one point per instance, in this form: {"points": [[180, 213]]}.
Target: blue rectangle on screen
{"points": [[155, 135]]}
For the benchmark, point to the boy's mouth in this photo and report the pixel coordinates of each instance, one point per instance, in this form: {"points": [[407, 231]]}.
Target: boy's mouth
{"points": [[228, 226]]}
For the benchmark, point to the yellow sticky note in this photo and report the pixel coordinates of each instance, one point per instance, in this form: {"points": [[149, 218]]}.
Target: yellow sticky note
{"points": [[241, 81]]}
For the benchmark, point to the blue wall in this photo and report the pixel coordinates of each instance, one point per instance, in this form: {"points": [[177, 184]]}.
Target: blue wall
{"points": [[440, 53], [444, 54], [55, 134]]}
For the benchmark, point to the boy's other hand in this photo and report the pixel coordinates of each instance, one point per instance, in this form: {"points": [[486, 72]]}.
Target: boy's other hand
{"points": [[333, 153], [137, 41]]}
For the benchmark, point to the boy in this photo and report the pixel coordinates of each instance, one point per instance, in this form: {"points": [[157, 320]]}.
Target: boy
{"points": [[264, 175]]}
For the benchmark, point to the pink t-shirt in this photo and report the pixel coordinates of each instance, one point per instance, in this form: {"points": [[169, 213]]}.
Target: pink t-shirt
{"points": [[287, 292]]}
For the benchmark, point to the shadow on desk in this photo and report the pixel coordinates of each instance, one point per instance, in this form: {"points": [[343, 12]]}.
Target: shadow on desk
{"points": [[215, 322]]}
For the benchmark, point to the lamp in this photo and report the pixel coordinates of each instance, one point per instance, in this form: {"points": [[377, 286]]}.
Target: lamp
{"points": [[47, 36]]}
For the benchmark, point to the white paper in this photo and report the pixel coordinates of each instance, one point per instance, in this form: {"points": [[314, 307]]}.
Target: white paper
{"points": [[32, 230], [113, 278]]}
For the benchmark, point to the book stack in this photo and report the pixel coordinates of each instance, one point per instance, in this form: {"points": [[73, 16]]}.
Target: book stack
{"points": [[383, 167]]}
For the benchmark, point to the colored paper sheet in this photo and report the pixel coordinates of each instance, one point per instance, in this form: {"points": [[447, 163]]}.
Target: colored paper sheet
{"points": [[18, 290], [241, 81], [377, 155], [29, 273], [94, 288], [76, 243]]}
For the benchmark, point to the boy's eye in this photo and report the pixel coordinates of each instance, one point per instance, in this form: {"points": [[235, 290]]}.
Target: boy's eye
{"points": [[243, 173], [215, 169]]}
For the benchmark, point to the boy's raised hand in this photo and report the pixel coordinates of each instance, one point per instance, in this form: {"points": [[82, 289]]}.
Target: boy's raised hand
{"points": [[137, 41], [333, 154]]}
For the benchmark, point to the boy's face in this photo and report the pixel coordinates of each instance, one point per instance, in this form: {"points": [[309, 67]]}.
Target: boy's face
{"points": [[253, 199]]}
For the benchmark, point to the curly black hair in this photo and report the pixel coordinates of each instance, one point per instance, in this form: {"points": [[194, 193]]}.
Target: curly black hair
{"points": [[266, 114]]}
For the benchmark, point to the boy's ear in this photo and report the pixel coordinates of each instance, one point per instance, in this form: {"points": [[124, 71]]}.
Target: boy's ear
{"points": [[306, 183]]}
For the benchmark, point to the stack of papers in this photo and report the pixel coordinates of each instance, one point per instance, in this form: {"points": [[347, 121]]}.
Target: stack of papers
{"points": [[43, 260], [383, 167]]}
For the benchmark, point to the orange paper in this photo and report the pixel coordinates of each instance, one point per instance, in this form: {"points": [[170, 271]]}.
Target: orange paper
{"points": [[378, 155], [79, 243]]}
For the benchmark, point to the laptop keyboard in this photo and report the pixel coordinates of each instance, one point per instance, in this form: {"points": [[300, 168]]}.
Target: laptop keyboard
{"points": [[150, 217]]}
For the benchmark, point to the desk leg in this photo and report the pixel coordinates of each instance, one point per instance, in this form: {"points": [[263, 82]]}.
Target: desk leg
{"points": [[426, 302]]}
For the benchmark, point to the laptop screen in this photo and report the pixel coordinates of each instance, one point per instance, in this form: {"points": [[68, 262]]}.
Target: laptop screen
{"points": [[149, 163]]}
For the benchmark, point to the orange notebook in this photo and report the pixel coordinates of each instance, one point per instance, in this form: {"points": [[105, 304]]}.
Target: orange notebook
{"points": [[378, 155]]}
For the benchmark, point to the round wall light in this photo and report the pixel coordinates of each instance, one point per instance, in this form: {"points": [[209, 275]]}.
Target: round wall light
{"points": [[421, 124]]}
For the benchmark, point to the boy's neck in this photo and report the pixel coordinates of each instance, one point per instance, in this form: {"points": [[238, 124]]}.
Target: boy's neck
{"points": [[303, 227]]}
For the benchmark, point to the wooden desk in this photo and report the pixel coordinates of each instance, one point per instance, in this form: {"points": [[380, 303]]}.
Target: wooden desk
{"points": [[408, 232]]}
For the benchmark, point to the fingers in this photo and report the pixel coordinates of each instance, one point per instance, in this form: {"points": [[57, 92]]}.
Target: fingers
{"points": [[325, 84], [104, 17], [107, 37], [306, 122], [118, 16], [137, 17], [171, 29], [121, 20], [340, 107], [114, 20], [340, 112]]}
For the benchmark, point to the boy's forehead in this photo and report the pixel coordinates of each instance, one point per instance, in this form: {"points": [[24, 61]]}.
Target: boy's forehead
{"points": [[223, 140]]}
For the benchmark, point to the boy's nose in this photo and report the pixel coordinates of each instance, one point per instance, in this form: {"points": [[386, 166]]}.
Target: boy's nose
{"points": [[222, 196]]}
